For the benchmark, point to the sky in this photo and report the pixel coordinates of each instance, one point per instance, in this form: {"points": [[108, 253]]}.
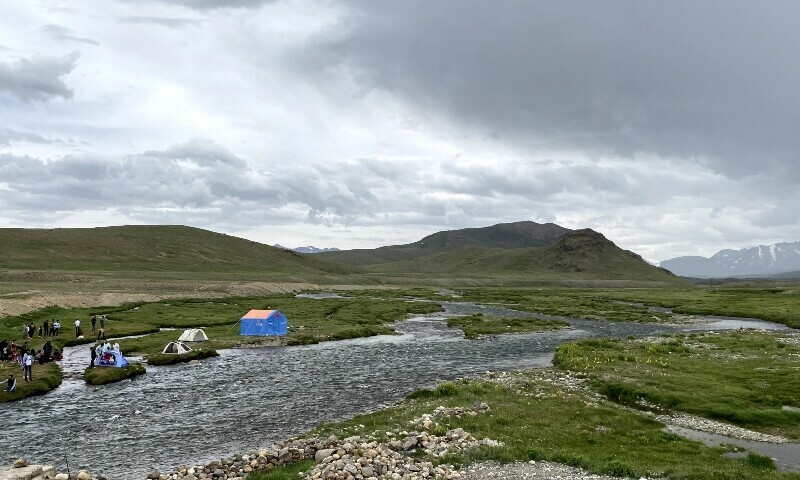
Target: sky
{"points": [[673, 128]]}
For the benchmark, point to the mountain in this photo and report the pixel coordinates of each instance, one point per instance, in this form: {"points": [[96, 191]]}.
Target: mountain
{"points": [[151, 248], [576, 255], [308, 249], [504, 235], [755, 261]]}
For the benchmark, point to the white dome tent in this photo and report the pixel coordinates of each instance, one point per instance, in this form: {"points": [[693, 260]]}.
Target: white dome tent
{"points": [[176, 347], [193, 335]]}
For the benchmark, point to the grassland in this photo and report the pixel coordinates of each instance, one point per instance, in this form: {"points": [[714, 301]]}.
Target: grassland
{"points": [[743, 378], [174, 358], [538, 420], [151, 248], [45, 378], [478, 325], [106, 375], [778, 303]]}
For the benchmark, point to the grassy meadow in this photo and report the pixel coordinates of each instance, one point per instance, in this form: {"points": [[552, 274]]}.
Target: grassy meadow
{"points": [[106, 375], [537, 420], [743, 378], [478, 325], [778, 303]]}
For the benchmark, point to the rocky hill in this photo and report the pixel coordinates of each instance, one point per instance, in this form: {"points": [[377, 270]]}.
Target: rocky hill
{"points": [[504, 235], [577, 255]]}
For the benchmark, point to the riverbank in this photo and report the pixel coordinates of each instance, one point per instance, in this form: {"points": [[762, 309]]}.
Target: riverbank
{"points": [[45, 378]]}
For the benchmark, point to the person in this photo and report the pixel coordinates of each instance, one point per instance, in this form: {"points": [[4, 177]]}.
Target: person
{"points": [[116, 347], [11, 383], [4, 350], [46, 329], [31, 330], [94, 322], [77, 326], [57, 326], [14, 351], [40, 331], [27, 365], [48, 350], [24, 331], [102, 321], [57, 355], [101, 334], [93, 354]]}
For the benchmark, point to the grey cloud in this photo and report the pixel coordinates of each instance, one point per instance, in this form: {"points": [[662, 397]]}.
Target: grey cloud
{"points": [[170, 22], [64, 34], [37, 79], [717, 80], [219, 4], [9, 136]]}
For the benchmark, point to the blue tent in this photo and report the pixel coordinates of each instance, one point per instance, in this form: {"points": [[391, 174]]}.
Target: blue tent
{"points": [[111, 359], [261, 323]]}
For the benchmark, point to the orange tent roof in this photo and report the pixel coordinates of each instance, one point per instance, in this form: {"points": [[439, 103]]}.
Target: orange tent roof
{"points": [[259, 313]]}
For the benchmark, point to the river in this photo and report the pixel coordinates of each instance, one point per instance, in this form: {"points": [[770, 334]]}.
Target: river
{"points": [[247, 398]]}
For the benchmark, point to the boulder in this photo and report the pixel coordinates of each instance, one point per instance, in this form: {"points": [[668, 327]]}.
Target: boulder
{"points": [[323, 454], [84, 475], [20, 463], [410, 442], [62, 476], [153, 475]]}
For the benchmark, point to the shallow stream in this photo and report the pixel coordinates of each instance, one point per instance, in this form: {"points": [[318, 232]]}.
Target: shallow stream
{"points": [[247, 398]]}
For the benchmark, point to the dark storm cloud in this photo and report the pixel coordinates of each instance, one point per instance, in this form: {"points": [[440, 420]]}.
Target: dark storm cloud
{"points": [[37, 79], [718, 80], [169, 22], [64, 34]]}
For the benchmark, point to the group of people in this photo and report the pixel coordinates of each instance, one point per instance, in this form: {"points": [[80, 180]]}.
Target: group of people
{"points": [[47, 329], [25, 357], [16, 353], [101, 332], [100, 354]]}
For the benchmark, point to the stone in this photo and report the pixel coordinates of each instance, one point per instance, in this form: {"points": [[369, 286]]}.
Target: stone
{"points": [[323, 454], [62, 476], [84, 475], [410, 442], [20, 463], [367, 471], [153, 475], [189, 477]]}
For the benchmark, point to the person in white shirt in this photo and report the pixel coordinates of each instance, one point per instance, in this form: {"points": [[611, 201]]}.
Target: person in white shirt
{"points": [[116, 347], [77, 327], [27, 366]]}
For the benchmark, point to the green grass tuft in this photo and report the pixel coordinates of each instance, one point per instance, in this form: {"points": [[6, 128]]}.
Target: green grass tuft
{"points": [[105, 375]]}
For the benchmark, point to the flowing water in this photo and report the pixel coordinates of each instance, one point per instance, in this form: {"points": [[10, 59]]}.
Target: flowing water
{"points": [[244, 399]]}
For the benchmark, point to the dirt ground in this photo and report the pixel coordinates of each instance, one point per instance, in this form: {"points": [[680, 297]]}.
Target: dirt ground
{"points": [[29, 299]]}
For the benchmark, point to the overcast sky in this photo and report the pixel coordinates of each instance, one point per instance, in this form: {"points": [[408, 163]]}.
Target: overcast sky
{"points": [[671, 127]]}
